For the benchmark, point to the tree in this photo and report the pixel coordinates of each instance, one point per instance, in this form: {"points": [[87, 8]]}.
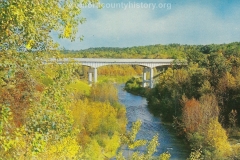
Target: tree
{"points": [[216, 138], [218, 65], [205, 49], [104, 92], [25, 24], [192, 116], [130, 140], [196, 114], [43, 106]]}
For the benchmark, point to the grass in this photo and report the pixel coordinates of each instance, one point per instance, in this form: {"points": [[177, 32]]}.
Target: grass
{"points": [[113, 79], [80, 87]]}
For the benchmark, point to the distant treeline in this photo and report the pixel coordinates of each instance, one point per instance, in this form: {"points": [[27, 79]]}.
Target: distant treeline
{"points": [[175, 51]]}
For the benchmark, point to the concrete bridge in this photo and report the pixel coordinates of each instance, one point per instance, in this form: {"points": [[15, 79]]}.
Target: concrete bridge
{"points": [[94, 63]]}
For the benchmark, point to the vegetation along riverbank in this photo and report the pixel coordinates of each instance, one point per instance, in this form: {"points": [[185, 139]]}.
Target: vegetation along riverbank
{"points": [[201, 100]]}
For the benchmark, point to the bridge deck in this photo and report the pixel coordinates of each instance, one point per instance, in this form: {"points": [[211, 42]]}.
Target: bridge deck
{"points": [[112, 60], [98, 62]]}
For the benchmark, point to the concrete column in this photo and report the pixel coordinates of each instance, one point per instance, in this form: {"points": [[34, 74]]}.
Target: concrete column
{"points": [[90, 77], [95, 75], [150, 81], [144, 77], [151, 77]]}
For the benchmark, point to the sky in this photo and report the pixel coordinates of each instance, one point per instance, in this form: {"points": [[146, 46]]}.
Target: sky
{"points": [[147, 22]]}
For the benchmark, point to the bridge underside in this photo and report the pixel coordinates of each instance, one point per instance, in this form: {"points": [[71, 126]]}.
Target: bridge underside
{"points": [[94, 63], [92, 76]]}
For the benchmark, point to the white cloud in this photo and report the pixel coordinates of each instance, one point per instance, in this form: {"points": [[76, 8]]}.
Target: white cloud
{"points": [[131, 27]]}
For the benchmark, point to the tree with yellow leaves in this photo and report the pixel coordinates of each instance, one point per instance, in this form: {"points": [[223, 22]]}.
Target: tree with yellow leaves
{"points": [[32, 110], [217, 139]]}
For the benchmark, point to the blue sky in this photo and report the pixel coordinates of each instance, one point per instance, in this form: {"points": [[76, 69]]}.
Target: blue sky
{"points": [[146, 22]]}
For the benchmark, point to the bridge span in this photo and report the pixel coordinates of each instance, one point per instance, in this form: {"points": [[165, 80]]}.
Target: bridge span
{"points": [[94, 63]]}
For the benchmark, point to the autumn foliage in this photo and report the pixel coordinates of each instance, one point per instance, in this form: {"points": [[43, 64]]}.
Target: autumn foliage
{"points": [[192, 116]]}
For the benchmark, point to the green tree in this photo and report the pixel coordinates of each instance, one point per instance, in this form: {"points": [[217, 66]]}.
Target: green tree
{"points": [[129, 139]]}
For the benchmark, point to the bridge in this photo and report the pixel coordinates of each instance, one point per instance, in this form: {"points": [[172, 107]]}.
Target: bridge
{"points": [[94, 63]]}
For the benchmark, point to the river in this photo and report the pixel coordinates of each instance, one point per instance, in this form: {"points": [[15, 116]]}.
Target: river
{"points": [[136, 107]]}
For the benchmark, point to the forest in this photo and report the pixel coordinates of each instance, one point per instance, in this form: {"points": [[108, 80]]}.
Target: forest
{"points": [[201, 99], [175, 51]]}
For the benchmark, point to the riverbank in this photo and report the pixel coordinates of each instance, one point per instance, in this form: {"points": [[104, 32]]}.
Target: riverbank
{"points": [[134, 86], [169, 105]]}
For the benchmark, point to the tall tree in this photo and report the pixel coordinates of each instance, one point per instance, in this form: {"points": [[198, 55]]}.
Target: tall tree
{"points": [[42, 107]]}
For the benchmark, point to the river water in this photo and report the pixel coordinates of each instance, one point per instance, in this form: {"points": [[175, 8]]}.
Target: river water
{"points": [[136, 107]]}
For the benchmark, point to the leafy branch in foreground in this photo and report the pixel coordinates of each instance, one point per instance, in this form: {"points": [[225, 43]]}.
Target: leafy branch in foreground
{"points": [[26, 24], [129, 139]]}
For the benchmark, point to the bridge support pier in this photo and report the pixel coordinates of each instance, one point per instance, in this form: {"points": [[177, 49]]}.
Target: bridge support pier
{"points": [[92, 72], [145, 81]]}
